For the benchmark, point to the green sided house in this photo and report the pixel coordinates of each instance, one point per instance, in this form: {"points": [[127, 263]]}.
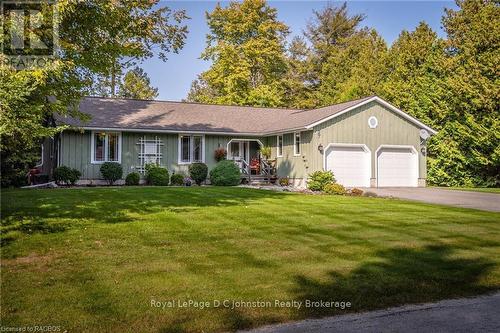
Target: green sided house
{"points": [[365, 142]]}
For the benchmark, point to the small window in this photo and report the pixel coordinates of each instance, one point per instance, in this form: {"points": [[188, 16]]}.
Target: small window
{"points": [[373, 122], [279, 146], [296, 145], [185, 146], [191, 148], [105, 147]]}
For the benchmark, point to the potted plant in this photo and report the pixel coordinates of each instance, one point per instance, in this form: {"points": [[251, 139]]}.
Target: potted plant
{"points": [[265, 152]]}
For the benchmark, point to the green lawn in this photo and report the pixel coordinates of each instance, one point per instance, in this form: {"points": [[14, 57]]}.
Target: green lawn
{"points": [[475, 189], [93, 259]]}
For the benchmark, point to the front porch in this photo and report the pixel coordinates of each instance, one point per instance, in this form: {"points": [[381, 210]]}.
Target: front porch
{"points": [[247, 156]]}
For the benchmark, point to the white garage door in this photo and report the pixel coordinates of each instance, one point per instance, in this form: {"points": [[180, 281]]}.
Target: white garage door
{"points": [[397, 167], [350, 165]]}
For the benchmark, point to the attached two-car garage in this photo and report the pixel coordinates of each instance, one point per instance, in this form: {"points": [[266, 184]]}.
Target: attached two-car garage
{"points": [[351, 165]]}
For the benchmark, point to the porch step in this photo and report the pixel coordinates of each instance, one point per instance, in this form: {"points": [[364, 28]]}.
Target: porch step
{"points": [[257, 179]]}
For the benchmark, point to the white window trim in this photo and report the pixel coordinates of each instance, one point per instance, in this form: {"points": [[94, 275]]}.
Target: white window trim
{"points": [[295, 153], [191, 143], [92, 147], [278, 144]]}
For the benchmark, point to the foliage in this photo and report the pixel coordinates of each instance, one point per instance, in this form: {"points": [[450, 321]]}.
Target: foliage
{"points": [[157, 175], [111, 171], [66, 175], [319, 179], [136, 84], [370, 194], [220, 154], [284, 181], [177, 179], [265, 151], [334, 188], [198, 172], [225, 173], [246, 45], [133, 178], [356, 192], [98, 40]]}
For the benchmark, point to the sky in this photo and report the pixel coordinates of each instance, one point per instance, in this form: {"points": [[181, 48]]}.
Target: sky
{"points": [[173, 78]]}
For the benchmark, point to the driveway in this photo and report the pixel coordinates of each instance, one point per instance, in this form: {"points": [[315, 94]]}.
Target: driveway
{"points": [[478, 314], [464, 199]]}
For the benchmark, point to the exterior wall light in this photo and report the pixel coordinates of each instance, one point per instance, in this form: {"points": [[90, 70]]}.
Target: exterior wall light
{"points": [[320, 148]]}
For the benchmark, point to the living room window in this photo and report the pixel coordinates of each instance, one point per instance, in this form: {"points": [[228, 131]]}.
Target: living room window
{"points": [[191, 148], [106, 147]]}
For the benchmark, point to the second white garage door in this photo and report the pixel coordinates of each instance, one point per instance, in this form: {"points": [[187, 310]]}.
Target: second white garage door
{"points": [[350, 165], [397, 167]]}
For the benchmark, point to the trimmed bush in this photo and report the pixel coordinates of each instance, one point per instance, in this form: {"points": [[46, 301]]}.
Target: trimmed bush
{"points": [[220, 154], [177, 179], [356, 192], [319, 179], [370, 194], [133, 178], [66, 175], [111, 172], [225, 173], [334, 188], [157, 175], [198, 172], [284, 181]]}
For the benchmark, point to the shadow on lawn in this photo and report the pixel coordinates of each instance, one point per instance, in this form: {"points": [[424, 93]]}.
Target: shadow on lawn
{"points": [[398, 276], [113, 205]]}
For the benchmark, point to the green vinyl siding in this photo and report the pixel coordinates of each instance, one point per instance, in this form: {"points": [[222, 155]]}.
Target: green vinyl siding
{"points": [[351, 128], [76, 151]]}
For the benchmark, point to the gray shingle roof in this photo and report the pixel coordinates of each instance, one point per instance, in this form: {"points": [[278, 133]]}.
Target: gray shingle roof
{"points": [[135, 114]]}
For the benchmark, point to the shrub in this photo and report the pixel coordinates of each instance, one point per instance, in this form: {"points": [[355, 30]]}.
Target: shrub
{"points": [[225, 173], [319, 179], [198, 172], [74, 176], [334, 188], [284, 181], [177, 179], [132, 178], [370, 194], [265, 152], [157, 175], [356, 192], [220, 154], [111, 171], [66, 175]]}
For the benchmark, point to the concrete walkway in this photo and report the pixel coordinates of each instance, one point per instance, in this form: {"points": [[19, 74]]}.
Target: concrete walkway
{"points": [[478, 314], [464, 199]]}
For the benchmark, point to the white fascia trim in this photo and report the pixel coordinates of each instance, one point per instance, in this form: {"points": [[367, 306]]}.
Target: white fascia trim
{"points": [[136, 130], [345, 145], [384, 103], [191, 141]]}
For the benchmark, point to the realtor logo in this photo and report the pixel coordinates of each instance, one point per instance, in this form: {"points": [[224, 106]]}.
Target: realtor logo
{"points": [[29, 33]]}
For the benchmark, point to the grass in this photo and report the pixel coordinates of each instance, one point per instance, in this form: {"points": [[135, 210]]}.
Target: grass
{"points": [[475, 189], [93, 259]]}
